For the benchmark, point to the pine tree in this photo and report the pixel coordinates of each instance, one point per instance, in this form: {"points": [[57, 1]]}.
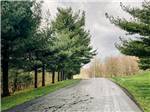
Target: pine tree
{"points": [[140, 24], [72, 40], [19, 21]]}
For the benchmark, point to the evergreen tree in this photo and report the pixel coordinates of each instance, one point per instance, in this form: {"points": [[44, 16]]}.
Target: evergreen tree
{"points": [[18, 21], [140, 24], [72, 40]]}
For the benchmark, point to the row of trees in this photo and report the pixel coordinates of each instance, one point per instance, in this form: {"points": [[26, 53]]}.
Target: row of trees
{"points": [[63, 45], [111, 66], [139, 24]]}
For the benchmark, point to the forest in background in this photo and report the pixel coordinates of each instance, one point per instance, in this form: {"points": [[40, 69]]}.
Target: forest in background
{"points": [[111, 67]]}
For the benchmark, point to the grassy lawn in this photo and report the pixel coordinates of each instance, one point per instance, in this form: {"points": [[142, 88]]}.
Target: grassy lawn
{"points": [[139, 86], [21, 97]]}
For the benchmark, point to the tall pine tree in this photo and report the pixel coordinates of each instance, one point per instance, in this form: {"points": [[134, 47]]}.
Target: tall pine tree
{"points": [[140, 24], [72, 39], [18, 21]]}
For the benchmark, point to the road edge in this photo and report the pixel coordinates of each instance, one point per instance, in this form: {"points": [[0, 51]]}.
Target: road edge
{"points": [[30, 101], [128, 94]]}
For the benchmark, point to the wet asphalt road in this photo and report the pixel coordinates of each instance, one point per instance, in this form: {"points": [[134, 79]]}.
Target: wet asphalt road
{"points": [[93, 95]]}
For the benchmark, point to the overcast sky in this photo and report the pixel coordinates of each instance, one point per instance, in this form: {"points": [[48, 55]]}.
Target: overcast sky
{"points": [[104, 34]]}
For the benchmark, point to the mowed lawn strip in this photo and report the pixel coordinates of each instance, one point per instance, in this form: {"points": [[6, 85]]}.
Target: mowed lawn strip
{"points": [[139, 86], [19, 98]]}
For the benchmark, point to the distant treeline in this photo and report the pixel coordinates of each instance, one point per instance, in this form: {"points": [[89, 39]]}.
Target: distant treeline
{"points": [[111, 66]]}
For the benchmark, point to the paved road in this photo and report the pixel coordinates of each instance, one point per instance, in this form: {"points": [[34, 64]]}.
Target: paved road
{"points": [[93, 95]]}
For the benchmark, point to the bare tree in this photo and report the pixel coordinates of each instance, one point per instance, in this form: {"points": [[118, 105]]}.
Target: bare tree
{"points": [[112, 66]]}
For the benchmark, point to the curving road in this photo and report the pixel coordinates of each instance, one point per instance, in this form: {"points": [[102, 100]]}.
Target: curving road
{"points": [[93, 95]]}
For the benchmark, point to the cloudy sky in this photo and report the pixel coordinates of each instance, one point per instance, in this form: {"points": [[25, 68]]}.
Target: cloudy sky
{"points": [[104, 34]]}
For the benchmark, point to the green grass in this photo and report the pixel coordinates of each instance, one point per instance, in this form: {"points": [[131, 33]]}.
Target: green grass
{"points": [[21, 97], [139, 86]]}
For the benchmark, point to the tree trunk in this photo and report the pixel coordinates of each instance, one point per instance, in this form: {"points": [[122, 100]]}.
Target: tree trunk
{"points": [[58, 76], [61, 75], [5, 60], [15, 82], [53, 76], [70, 76], [43, 75], [35, 76]]}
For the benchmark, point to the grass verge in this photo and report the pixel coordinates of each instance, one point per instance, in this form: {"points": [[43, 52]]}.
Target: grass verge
{"points": [[21, 97], [139, 86]]}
